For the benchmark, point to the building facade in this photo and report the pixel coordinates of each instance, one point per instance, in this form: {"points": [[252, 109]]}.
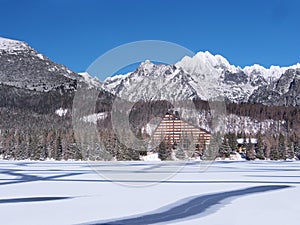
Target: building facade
{"points": [[174, 130]]}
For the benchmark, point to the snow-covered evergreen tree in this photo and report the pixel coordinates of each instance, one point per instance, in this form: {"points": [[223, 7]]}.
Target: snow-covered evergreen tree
{"points": [[259, 149]]}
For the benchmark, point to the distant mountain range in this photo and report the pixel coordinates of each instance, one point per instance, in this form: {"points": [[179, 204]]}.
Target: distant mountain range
{"points": [[208, 76], [204, 76], [31, 81]]}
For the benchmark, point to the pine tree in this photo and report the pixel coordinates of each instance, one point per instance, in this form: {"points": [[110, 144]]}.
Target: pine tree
{"points": [[59, 148], [43, 144], [213, 148], [98, 153], [20, 146], [74, 149], [9, 145], [259, 149], [232, 141], [197, 152], [199, 147], [297, 148], [281, 147], [33, 148], [180, 153], [225, 149], [274, 154], [50, 140], [250, 154], [290, 150], [164, 153], [124, 154]]}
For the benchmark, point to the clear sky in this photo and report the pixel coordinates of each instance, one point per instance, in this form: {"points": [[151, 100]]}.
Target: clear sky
{"points": [[76, 32]]}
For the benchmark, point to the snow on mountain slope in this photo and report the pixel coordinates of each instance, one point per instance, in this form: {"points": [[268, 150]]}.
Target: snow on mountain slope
{"points": [[152, 82], [91, 81], [282, 92], [226, 80], [204, 75], [23, 67], [211, 73], [269, 74], [12, 45], [200, 76], [204, 61]]}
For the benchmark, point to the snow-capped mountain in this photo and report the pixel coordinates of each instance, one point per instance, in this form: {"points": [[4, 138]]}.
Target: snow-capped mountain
{"points": [[218, 77], [204, 75], [29, 80], [21, 66]]}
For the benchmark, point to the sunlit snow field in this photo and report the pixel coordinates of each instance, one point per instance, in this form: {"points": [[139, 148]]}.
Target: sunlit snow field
{"points": [[227, 192]]}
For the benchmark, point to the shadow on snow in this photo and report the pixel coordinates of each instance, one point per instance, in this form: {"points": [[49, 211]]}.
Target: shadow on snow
{"points": [[194, 207]]}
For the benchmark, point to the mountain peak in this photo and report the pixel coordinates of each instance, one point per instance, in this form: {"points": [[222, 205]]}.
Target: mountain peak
{"points": [[12, 45], [23, 67], [203, 61], [147, 64], [213, 60], [91, 81], [146, 67]]}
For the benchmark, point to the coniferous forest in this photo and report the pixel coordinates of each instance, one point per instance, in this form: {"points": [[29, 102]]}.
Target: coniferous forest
{"points": [[32, 130]]}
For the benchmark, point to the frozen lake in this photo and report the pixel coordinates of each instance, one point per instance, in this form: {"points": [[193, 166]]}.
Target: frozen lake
{"points": [[225, 192]]}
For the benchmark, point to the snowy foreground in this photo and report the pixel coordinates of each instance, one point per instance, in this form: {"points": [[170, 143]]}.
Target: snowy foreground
{"points": [[260, 192]]}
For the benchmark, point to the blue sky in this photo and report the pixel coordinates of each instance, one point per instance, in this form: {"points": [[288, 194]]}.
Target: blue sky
{"points": [[76, 32]]}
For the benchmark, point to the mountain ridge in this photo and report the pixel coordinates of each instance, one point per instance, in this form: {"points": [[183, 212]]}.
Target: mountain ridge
{"points": [[204, 75]]}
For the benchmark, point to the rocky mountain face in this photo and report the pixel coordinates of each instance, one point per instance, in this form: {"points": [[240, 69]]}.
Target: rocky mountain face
{"points": [[23, 67], [31, 81], [203, 76], [152, 82], [282, 92]]}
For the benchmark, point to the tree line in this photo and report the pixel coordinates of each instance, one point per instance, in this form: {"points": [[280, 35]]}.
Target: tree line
{"points": [[38, 134]]}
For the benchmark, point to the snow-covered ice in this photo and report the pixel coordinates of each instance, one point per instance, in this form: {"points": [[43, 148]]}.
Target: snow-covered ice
{"points": [[223, 192]]}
